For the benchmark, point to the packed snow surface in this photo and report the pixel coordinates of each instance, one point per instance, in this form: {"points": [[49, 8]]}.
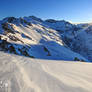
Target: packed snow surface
{"points": [[22, 74]]}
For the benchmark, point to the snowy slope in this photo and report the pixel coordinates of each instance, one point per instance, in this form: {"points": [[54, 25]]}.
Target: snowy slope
{"points": [[32, 37], [76, 37], [84, 39], [20, 74]]}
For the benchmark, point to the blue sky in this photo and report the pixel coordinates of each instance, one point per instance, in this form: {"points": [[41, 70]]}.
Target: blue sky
{"points": [[71, 10]]}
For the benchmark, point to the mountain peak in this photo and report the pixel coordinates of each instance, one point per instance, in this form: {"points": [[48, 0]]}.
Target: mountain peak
{"points": [[9, 19]]}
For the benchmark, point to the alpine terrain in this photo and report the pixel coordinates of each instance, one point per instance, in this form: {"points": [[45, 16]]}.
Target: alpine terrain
{"points": [[46, 39], [34, 55]]}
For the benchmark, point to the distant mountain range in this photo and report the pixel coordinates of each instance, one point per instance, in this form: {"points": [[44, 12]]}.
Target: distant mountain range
{"points": [[46, 39]]}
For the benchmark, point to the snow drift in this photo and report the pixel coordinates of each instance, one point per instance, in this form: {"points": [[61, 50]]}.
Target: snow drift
{"points": [[21, 74]]}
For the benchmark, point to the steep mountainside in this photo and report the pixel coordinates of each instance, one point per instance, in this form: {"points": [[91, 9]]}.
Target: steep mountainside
{"points": [[50, 39], [77, 37]]}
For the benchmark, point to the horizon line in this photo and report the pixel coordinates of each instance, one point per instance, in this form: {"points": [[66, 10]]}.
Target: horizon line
{"points": [[83, 22]]}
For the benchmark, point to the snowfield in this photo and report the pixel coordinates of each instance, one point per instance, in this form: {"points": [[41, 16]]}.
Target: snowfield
{"points": [[22, 74]]}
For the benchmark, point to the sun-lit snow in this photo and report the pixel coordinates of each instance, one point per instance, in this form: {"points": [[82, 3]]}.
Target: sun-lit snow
{"points": [[21, 74]]}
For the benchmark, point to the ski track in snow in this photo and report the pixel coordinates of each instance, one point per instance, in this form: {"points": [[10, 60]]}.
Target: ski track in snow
{"points": [[26, 78], [35, 75]]}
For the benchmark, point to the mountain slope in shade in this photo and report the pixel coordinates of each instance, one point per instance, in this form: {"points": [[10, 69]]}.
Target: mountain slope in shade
{"points": [[35, 38], [77, 37]]}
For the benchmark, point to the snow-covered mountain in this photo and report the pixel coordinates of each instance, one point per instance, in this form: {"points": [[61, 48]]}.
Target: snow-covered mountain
{"points": [[49, 39]]}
